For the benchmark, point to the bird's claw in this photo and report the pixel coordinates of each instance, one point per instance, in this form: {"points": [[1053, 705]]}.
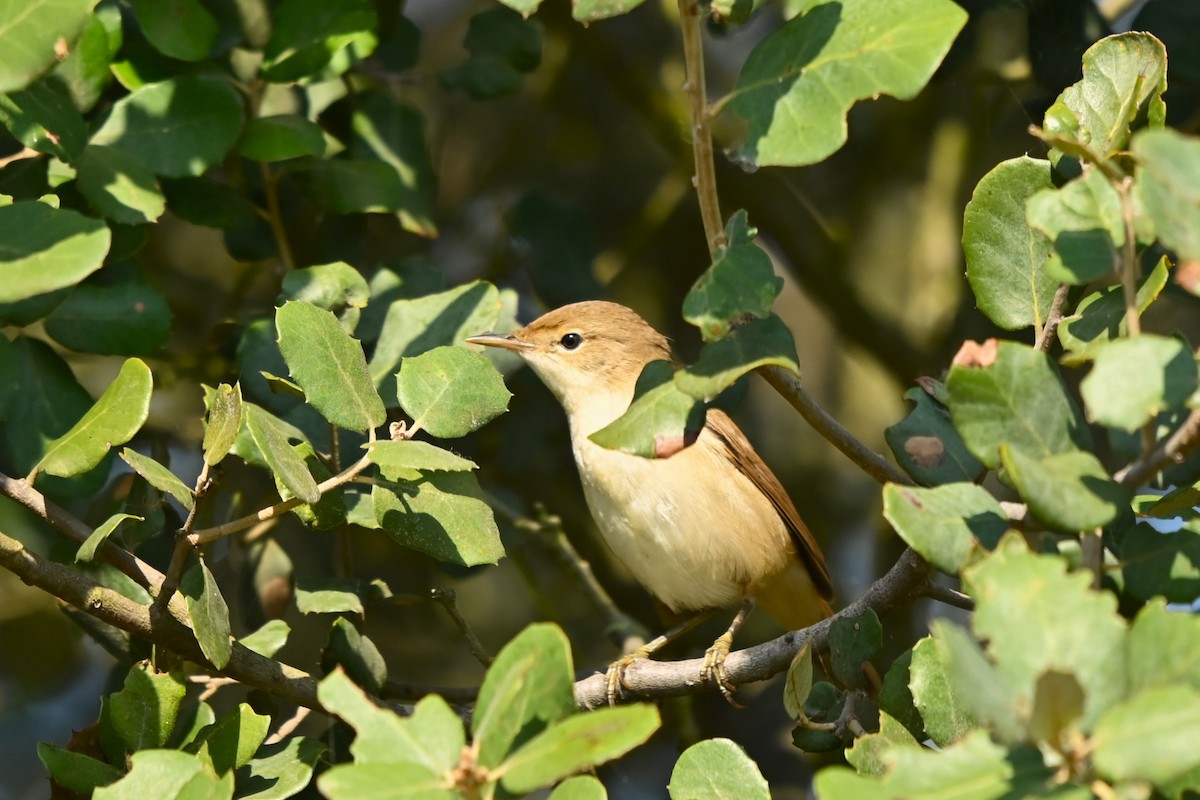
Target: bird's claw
{"points": [[614, 677], [713, 670]]}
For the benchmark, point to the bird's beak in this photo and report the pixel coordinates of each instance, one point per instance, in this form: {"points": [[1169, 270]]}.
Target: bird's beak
{"points": [[505, 341]]}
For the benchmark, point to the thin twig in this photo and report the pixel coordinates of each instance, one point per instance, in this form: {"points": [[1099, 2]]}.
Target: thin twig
{"points": [[288, 727], [183, 547], [448, 599], [690, 18], [1046, 336], [275, 216], [279, 509], [789, 385], [951, 597], [27, 152], [1170, 450], [1091, 545]]}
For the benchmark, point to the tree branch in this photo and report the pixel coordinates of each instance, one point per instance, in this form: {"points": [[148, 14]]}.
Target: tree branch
{"points": [[789, 385], [1045, 336], [1169, 451], [908, 579], [690, 23], [79, 590]]}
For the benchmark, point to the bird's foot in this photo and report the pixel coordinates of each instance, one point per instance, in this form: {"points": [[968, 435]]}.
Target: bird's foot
{"points": [[614, 678], [713, 670]]}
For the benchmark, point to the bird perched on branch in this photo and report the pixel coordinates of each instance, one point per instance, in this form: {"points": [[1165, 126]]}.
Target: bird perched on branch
{"points": [[707, 527]]}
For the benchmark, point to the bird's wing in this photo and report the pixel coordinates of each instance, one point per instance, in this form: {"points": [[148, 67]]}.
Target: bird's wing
{"points": [[741, 454]]}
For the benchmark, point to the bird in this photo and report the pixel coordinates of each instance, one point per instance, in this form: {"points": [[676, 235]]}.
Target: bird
{"points": [[708, 527]]}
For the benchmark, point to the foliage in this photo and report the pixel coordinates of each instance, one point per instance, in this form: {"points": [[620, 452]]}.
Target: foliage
{"points": [[1032, 473]]}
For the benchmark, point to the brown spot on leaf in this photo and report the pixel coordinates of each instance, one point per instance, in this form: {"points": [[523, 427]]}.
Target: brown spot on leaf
{"points": [[928, 385], [913, 500], [61, 49], [1187, 275], [976, 354], [667, 446], [925, 451]]}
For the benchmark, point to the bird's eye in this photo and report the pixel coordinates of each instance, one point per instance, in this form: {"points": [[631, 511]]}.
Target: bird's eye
{"points": [[570, 341]]}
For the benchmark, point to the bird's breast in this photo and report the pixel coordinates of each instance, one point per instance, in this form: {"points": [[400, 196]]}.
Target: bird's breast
{"points": [[690, 528]]}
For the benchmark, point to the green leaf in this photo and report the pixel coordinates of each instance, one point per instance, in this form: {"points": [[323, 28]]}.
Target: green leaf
{"points": [[1038, 618], [928, 447], [1084, 221], [330, 286], [441, 514], [1161, 564], [125, 318], [1124, 78], [741, 284], [113, 420], [798, 83], [1150, 737], [350, 649], [392, 781], [763, 342], [181, 29], [329, 365], [449, 391], [281, 137], [1006, 258], [159, 476], [946, 716], [233, 741], [281, 770], [502, 46], [660, 421], [118, 186], [223, 422], [948, 525], [824, 704], [1019, 399], [1168, 185], [178, 127], [1068, 491], [1057, 706], [973, 769], [267, 640], [868, 755], [311, 37], [431, 738], [1136, 379], [33, 35], [87, 550], [271, 437], [896, 699], [143, 713], [1100, 317], [74, 771], [581, 787], [717, 769], [210, 614], [586, 11], [47, 248], [210, 203], [577, 743], [854, 641], [394, 458], [394, 133], [84, 75], [353, 187], [529, 687], [415, 326], [167, 774], [328, 596], [45, 120], [1163, 648], [982, 691], [799, 681]]}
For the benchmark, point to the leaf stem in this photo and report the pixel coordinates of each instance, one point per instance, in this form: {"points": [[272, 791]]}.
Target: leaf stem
{"points": [[690, 15], [448, 599]]}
